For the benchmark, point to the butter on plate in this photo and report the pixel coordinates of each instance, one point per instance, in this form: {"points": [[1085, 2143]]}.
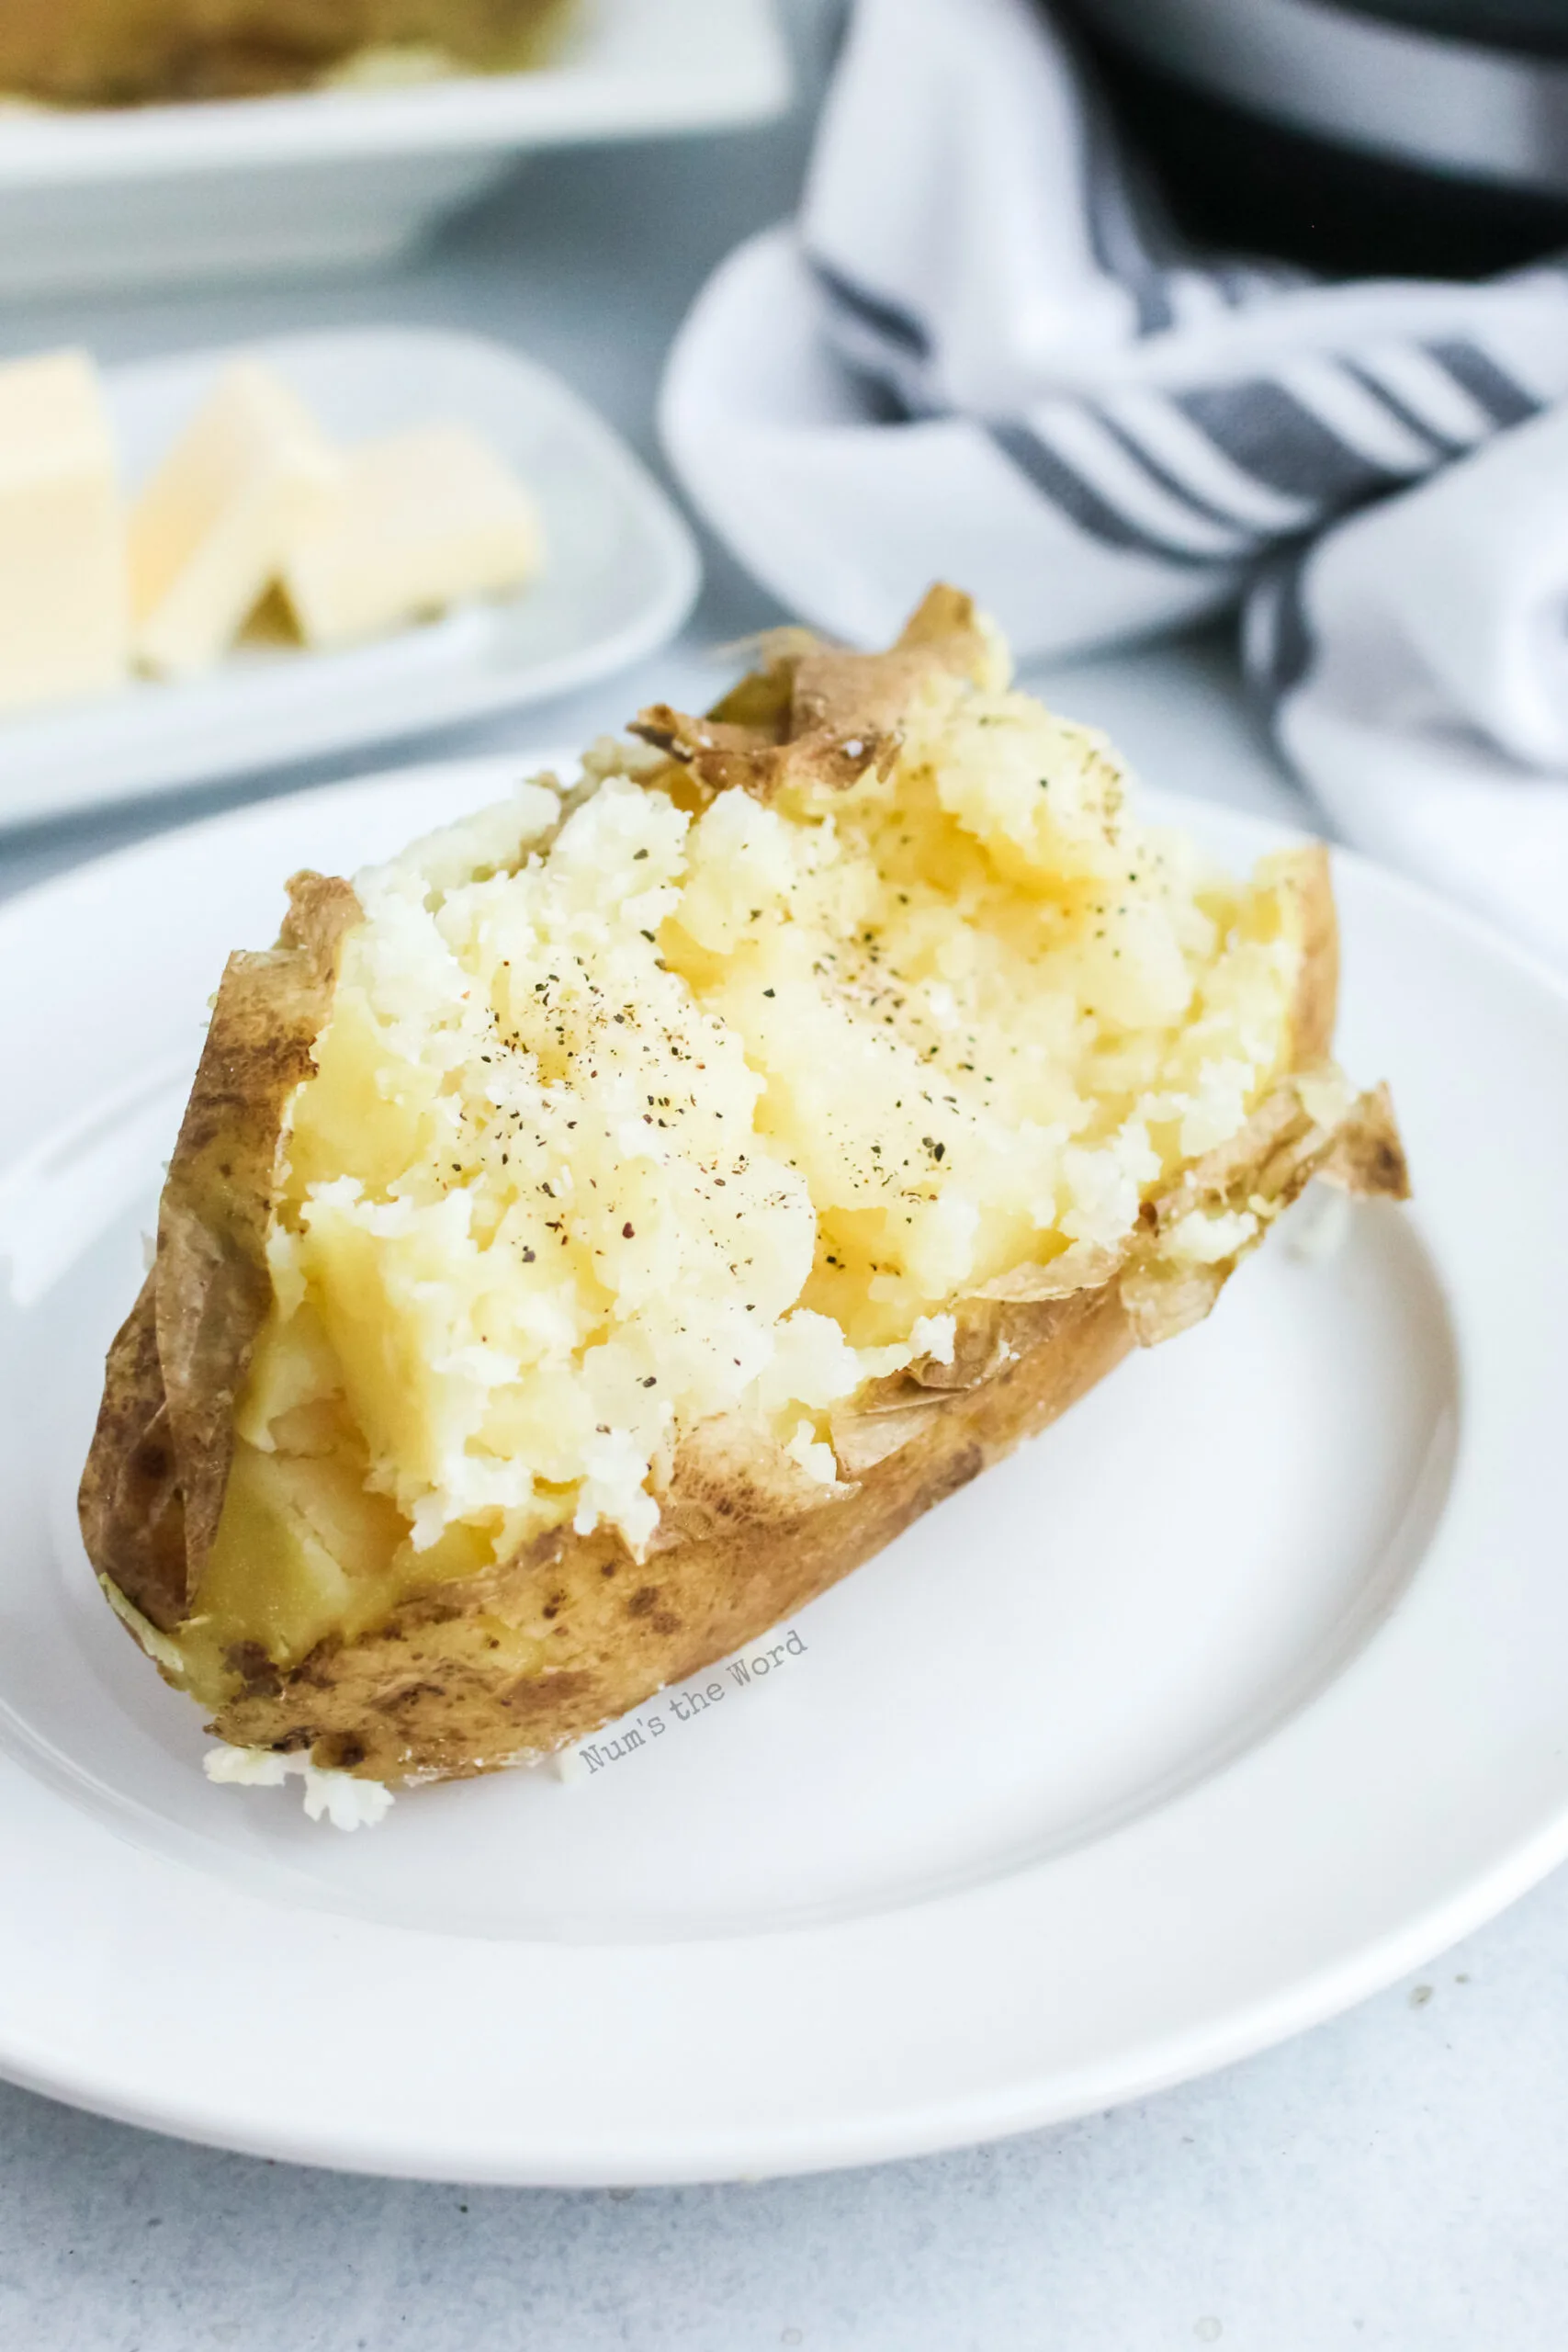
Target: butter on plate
{"points": [[65, 622], [214, 527], [253, 502], [415, 522]]}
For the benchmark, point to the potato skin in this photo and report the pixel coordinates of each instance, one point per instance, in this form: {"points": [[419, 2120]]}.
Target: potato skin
{"points": [[152, 1490], [508, 1664], [421, 1697]]}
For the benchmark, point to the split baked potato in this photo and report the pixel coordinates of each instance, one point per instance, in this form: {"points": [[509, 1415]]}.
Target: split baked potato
{"points": [[592, 1234]]}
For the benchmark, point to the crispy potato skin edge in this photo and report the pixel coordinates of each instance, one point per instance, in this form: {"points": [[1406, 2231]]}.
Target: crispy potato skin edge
{"points": [[418, 1700], [152, 1490]]}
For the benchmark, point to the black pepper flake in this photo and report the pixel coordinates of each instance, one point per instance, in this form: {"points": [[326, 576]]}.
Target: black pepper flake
{"points": [[527, 1257]]}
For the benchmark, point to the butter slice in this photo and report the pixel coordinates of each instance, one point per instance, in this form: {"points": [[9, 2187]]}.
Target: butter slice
{"points": [[209, 533], [65, 618], [419, 521]]}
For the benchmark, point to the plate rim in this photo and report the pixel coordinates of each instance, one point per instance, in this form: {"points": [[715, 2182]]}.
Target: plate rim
{"points": [[917, 2126]]}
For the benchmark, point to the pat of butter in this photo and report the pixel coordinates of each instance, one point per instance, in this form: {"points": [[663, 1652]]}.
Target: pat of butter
{"points": [[209, 533], [419, 521], [65, 622]]}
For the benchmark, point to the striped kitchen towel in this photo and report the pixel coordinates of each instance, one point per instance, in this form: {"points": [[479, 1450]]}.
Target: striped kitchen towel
{"points": [[1414, 665], [976, 354]]}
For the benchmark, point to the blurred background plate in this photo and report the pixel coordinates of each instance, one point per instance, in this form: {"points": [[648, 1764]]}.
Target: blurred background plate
{"points": [[621, 574], [328, 180]]}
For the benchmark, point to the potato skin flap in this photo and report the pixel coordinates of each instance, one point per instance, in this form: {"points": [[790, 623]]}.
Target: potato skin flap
{"points": [[153, 1487]]}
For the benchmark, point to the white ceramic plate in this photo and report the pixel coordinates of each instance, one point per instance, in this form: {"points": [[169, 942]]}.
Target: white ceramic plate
{"points": [[330, 180], [621, 574], [1241, 1691]]}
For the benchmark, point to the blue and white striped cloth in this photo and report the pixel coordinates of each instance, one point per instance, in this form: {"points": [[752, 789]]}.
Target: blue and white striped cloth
{"points": [[978, 355]]}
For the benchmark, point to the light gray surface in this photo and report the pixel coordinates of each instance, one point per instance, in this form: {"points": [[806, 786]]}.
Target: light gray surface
{"points": [[1396, 2179]]}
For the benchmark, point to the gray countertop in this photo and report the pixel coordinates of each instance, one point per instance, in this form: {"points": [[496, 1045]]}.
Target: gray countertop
{"points": [[1396, 2179]]}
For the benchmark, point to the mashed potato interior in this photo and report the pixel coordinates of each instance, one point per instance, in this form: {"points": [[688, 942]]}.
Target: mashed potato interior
{"points": [[672, 1110]]}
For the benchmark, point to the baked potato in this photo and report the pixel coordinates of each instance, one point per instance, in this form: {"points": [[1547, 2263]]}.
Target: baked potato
{"points": [[595, 1233], [118, 52]]}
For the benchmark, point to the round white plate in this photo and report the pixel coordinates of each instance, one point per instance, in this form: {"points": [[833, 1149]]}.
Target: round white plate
{"points": [[1238, 1693], [621, 574]]}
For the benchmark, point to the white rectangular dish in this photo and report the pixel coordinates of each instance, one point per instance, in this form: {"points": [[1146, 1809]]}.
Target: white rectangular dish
{"points": [[337, 179], [621, 572]]}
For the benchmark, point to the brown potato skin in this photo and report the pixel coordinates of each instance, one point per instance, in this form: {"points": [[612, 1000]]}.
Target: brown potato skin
{"points": [[546, 1647], [152, 1490], [418, 1699]]}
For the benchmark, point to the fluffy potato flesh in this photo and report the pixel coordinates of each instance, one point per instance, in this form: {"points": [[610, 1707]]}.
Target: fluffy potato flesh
{"points": [[678, 1153]]}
